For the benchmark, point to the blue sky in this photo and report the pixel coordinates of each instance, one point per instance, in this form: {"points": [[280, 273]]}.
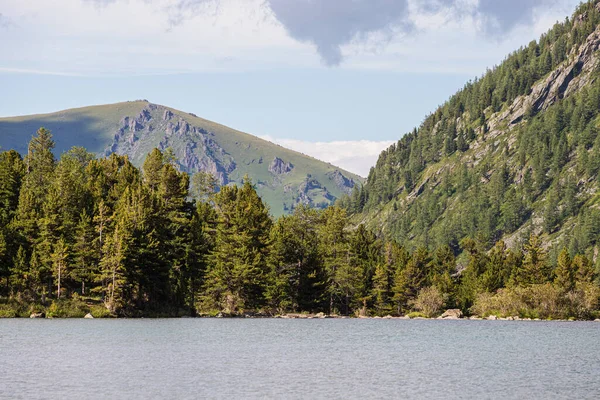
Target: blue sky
{"points": [[337, 79]]}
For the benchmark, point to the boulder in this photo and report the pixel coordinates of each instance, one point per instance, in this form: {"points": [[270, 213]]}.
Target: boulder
{"points": [[492, 317], [88, 315], [37, 315], [453, 313]]}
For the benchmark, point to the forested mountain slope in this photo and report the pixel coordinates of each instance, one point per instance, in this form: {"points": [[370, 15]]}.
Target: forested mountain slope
{"points": [[284, 178], [515, 152]]}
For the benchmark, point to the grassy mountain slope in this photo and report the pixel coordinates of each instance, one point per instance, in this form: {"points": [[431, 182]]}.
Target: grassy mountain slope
{"points": [[515, 152], [284, 178]]}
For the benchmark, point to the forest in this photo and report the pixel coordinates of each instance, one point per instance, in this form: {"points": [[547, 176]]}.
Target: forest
{"points": [[85, 234], [540, 175]]}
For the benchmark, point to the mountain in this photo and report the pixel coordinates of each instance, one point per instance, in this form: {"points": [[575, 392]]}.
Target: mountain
{"points": [[283, 178], [515, 152]]}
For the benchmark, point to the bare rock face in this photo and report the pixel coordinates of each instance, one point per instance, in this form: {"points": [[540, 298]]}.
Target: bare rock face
{"points": [[343, 183], [199, 153], [567, 78], [279, 167], [196, 149]]}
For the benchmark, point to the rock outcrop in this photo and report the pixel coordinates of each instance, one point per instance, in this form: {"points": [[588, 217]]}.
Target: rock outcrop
{"points": [[343, 183], [566, 79], [279, 167], [451, 314], [199, 152]]}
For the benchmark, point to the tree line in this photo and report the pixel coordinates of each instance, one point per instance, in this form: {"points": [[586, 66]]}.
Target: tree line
{"points": [[153, 241]]}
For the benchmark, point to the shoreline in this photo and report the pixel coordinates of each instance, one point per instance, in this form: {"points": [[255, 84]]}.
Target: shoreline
{"points": [[324, 316]]}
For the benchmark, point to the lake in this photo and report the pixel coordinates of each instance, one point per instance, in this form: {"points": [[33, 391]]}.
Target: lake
{"points": [[310, 359]]}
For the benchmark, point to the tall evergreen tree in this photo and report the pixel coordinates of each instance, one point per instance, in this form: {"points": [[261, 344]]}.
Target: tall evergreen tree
{"points": [[237, 275]]}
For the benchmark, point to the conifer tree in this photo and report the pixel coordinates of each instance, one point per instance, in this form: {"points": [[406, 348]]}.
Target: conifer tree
{"points": [[153, 166], [334, 249], [535, 269], [413, 277], [112, 270], [237, 275], [584, 269], [382, 289], [40, 165], [60, 262], [86, 253], [564, 272]]}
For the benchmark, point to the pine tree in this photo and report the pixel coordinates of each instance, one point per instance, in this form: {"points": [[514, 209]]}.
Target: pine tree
{"points": [[12, 171], [382, 289], [334, 250], [551, 217], [534, 270], [461, 142], [237, 275], [584, 269], [60, 262], [564, 272], [297, 280], [113, 271], [203, 186], [40, 165], [411, 279], [86, 253], [152, 168], [450, 141]]}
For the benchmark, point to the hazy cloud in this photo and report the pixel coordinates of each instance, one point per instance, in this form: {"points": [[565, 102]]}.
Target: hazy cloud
{"points": [[100, 3], [181, 10], [499, 17], [356, 156], [495, 17], [330, 24], [5, 22]]}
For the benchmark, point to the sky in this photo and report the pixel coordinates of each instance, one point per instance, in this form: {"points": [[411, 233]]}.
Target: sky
{"points": [[337, 79]]}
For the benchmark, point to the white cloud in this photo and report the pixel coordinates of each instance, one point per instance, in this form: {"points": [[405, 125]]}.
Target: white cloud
{"points": [[132, 37], [355, 156]]}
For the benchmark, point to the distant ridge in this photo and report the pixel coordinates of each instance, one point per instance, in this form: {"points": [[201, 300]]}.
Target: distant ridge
{"points": [[284, 178]]}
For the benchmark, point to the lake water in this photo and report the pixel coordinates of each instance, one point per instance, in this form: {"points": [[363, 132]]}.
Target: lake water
{"points": [[310, 359]]}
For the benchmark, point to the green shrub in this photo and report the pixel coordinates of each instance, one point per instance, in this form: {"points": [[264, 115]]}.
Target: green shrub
{"points": [[100, 311], [544, 301], [67, 309], [430, 301], [8, 311], [416, 314]]}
